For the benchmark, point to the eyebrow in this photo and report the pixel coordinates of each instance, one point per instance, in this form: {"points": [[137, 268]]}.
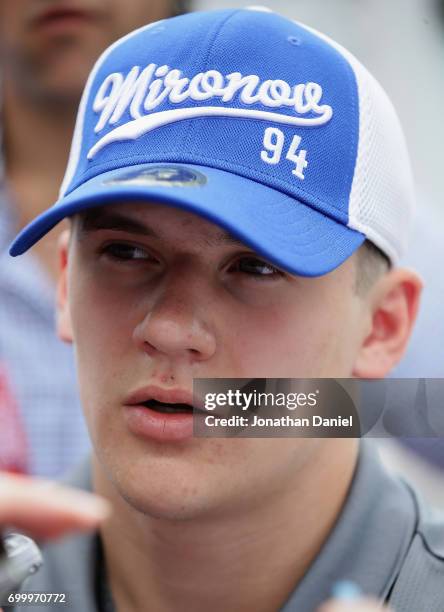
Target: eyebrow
{"points": [[96, 220], [93, 221]]}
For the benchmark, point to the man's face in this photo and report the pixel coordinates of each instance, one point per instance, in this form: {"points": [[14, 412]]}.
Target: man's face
{"points": [[48, 47], [158, 296]]}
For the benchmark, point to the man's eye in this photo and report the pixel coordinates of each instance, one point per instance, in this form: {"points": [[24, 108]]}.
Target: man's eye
{"points": [[256, 267], [126, 252]]}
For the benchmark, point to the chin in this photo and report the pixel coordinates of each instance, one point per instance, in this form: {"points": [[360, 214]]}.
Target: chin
{"points": [[165, 509], [61, 79], [161, 489], [161, 500]]}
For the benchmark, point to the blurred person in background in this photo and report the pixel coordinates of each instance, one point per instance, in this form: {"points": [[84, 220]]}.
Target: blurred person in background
{"points": [[47, 49]]}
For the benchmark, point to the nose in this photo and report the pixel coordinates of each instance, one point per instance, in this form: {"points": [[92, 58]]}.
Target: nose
{"points": [[176, 323]]}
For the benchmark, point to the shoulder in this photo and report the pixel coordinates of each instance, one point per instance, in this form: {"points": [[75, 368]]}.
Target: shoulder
{"points": [[420, 583]]}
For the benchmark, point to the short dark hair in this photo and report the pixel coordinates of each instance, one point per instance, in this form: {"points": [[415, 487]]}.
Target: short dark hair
{"points": [[371, 264]]}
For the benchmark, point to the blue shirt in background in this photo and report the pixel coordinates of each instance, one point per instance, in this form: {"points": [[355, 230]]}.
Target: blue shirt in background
{"points": [[40, 367]]}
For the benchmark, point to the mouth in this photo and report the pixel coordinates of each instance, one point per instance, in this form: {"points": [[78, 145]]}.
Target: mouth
{"points": [[61, 16], [165, 401], [165, 415], [168, 408]]}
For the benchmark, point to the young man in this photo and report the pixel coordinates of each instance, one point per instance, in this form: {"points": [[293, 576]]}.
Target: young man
{"points": [[239, 193]]}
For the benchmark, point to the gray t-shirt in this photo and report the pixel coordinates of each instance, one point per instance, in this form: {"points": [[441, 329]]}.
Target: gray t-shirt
{"points": [[385, 540]]}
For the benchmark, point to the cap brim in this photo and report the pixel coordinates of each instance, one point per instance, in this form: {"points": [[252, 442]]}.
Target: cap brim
{"points": [[288, 233]]}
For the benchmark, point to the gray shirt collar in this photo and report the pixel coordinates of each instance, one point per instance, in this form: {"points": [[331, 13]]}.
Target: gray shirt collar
{"points": [[370, 538]]}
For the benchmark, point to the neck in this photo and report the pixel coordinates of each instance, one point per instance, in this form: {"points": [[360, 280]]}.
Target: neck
{"points": [[36, 141], [251, 561]]}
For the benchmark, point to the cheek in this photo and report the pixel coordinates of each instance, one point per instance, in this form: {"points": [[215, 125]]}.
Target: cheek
{"points": [[102, 340], [338, 337], [271, 344], [102, 312], [299, 340], [11, 29]]}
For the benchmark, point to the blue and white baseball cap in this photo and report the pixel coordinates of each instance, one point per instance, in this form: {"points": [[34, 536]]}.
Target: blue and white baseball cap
{"points": [[255, 122]]}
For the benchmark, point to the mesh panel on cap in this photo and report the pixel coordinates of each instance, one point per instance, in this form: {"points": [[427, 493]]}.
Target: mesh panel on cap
{"points": [[382, 194]]}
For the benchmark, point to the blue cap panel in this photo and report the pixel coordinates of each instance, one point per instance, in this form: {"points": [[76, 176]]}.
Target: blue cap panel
{"points": [[176, 43], [230, 42], [292, 54]]}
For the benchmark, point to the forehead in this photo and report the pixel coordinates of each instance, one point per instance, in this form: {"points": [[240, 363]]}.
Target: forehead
{"points": [[158, 221]]}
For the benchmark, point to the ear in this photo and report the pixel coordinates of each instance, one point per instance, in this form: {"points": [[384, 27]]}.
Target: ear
{"points": [[393, 306], [63, 316]]}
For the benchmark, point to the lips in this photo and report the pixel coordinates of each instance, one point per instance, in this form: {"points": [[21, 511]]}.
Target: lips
{"points": [[156, 397], [61, 15], [160, 414]]}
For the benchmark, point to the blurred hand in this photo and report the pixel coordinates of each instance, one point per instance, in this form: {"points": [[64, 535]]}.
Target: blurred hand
{"points": [[44, 509]]}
